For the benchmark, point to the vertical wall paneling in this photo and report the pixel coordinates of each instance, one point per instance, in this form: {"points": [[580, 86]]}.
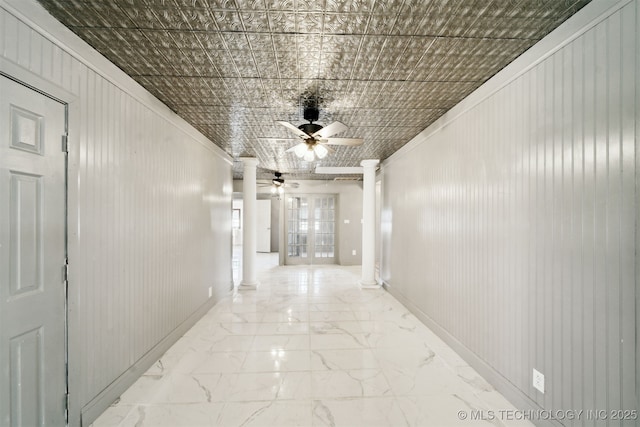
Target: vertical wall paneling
{"points": [[523, 204], [148, 200], [630, 160]]}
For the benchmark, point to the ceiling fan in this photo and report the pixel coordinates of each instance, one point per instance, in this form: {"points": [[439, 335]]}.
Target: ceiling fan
{"points": [[316, 137], [277, 184]]}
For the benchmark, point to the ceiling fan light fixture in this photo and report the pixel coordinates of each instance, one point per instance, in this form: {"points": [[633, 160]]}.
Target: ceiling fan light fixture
{"points": [[315, 137], [300, 149], [321, 151], [309, 155]]}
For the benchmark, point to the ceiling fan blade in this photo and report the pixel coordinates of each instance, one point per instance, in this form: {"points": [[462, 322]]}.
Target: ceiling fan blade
{"points": [[294, 129], [324, 144], [332, 129], [343, 141], [293, 185], [292, 149]]}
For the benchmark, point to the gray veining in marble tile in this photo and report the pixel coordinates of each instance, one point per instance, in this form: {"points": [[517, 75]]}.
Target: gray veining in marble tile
{"points": [[288, 354]]}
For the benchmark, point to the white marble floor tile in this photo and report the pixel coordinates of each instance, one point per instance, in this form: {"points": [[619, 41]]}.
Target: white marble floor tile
{"points": [[114, 416], [172, 415], [180, 388], [220, 363], [330, 307], [239, 328], [183, 361], [331, 316], [287, 316], [230, 343], [442, 410], [285, 328], [338, 341], [144, 390], [262, 414], [335, 384], [252, 317], [280, 342], [349, 359], [278, 360], [307, 348], [356, 412], [336, 327], [271, 386]]}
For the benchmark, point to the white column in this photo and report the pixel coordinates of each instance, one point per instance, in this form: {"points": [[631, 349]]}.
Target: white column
{"points": [[249, 280], [369, 224]]}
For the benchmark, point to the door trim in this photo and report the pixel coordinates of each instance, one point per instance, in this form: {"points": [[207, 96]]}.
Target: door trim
{"points": [[284, 239], [45, 88]]}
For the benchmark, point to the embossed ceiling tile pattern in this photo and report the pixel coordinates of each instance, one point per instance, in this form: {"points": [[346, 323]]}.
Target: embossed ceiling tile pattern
{"points": [[308, 6], [211, 41], [386, 68], [380, 24], [349, 6], [339, 23], [255, 21], [111, 15], [282, 21], [74, 11]]}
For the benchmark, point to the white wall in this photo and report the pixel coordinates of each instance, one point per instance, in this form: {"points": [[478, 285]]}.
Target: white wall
{"points": [[149, 209], [349, 196], [510, 225], [237, 234]]}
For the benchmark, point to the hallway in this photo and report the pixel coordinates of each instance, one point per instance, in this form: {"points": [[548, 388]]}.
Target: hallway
{"points": [[307, 348]]}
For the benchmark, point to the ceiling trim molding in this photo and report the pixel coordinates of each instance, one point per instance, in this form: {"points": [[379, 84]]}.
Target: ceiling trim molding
{"points": [[328, 170]]}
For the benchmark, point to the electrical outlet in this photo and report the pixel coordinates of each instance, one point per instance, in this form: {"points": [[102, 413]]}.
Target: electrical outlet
{"points": [[346, 221], [353, 252], [210, 291], [538, 381]]}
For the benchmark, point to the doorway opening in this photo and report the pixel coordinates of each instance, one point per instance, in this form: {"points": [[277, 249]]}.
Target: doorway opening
{"points": [[311, 229]]}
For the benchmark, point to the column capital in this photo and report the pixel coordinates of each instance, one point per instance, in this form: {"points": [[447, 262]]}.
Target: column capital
{"points": [[249, 161], [369, 163]]}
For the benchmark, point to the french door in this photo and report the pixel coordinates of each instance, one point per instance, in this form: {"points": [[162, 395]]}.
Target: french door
{"points": [[311, 229]]}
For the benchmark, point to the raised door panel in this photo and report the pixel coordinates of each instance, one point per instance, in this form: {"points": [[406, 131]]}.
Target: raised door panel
{"points": [[32, 253]]}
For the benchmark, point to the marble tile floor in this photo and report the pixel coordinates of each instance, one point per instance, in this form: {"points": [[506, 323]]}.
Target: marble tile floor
{"points": [[308, 348]]}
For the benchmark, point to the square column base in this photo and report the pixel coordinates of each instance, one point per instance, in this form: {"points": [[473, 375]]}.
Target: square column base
{"points": [[369, 285], [248, 286]]}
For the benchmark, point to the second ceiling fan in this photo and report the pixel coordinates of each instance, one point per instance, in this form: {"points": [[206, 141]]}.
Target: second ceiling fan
{"points": [[316, 137]]}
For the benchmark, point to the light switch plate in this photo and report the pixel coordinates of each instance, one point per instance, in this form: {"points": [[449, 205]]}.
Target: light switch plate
{"points": [[210, 291]]}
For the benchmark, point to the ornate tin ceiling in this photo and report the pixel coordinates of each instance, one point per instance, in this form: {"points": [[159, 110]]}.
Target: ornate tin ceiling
{"points": [[385, 68]]}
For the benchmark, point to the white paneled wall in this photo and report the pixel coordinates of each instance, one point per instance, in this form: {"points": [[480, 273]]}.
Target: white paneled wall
{"points": [[510, 225], [149, 209]]}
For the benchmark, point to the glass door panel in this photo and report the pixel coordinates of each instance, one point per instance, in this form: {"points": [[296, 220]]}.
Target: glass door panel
{"points": [[297, 227], [311, 229], [324, 227]]}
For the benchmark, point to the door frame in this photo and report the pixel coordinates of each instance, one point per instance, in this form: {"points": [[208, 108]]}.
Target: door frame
{"points": [[32, 81], [284, 224], [259, 214]]}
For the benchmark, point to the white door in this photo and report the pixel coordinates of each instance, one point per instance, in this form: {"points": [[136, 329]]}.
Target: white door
{"points": [[311, 229], [263, 226], [32, 256]]}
